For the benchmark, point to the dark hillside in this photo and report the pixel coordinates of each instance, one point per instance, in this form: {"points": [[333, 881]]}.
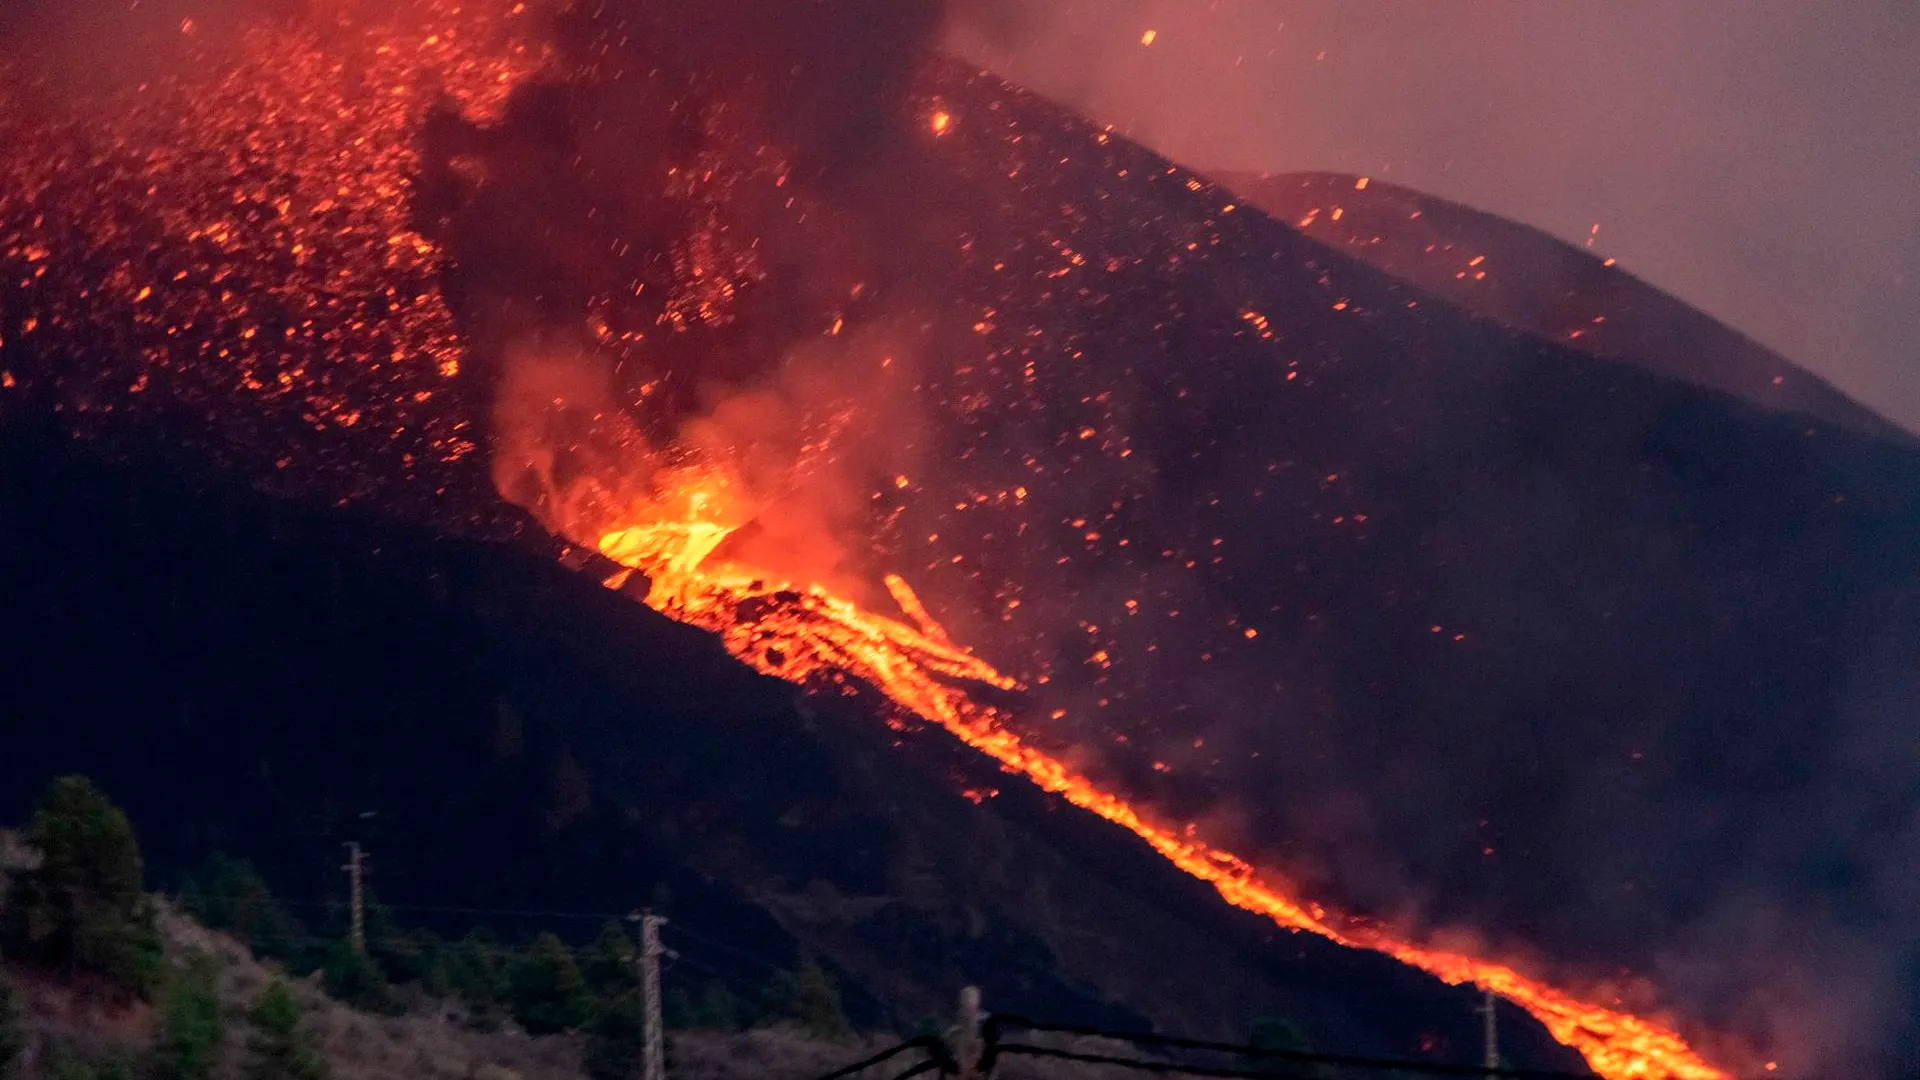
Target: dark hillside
{"points": [[247, 676]]}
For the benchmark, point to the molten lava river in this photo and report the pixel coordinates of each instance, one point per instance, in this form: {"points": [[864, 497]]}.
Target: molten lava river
{"points": [[237, 249]]}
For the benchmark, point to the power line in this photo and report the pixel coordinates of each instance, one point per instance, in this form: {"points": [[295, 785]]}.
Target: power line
{"points": [[737, 952]]}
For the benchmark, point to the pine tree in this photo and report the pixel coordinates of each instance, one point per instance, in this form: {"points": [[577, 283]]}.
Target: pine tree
{"points": [[85, 907], [280, 1047], [545, 990]]}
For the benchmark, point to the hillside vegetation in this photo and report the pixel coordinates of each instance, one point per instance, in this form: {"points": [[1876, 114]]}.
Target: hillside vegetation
{"points": [[102, 980]]}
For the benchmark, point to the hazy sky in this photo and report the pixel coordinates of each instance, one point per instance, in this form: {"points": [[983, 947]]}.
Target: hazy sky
{"points": [[1759, 158]]}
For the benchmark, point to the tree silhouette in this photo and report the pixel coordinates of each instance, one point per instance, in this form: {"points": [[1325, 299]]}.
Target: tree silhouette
{"points": [[85, 907], [545, 990]]}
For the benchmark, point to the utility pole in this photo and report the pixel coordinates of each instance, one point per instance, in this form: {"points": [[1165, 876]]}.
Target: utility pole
{"points": [[1491, 1031], [355, 875], [655, 1065], [967, 1042]]}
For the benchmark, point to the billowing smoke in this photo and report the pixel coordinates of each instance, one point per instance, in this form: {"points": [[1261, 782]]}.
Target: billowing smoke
{"points": [[684, 255]]}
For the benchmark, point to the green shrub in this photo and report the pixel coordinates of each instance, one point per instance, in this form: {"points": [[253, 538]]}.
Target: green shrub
{"points": [[190, 1031], [280, 1048], [545, 989], [616, 1038], [475, 971], [355, 980]]}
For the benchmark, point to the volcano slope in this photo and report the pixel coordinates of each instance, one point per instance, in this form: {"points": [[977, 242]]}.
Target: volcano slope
{"points": [[510, 740], [1456, 627], [1530, 281]]}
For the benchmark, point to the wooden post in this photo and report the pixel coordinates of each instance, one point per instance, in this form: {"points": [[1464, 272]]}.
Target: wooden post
{"points": [[966, 1043], [655, 1065], [358, 932]]}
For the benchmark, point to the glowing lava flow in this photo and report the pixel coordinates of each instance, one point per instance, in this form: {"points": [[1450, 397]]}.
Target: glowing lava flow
{"points": [[807, 634], [803, 634]]}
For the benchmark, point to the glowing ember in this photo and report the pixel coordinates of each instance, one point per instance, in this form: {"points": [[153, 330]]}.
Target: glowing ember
{"points": [[225, 231]]}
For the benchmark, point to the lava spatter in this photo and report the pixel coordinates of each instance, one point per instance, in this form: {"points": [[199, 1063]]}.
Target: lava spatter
{"points": [[230, 243]]}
